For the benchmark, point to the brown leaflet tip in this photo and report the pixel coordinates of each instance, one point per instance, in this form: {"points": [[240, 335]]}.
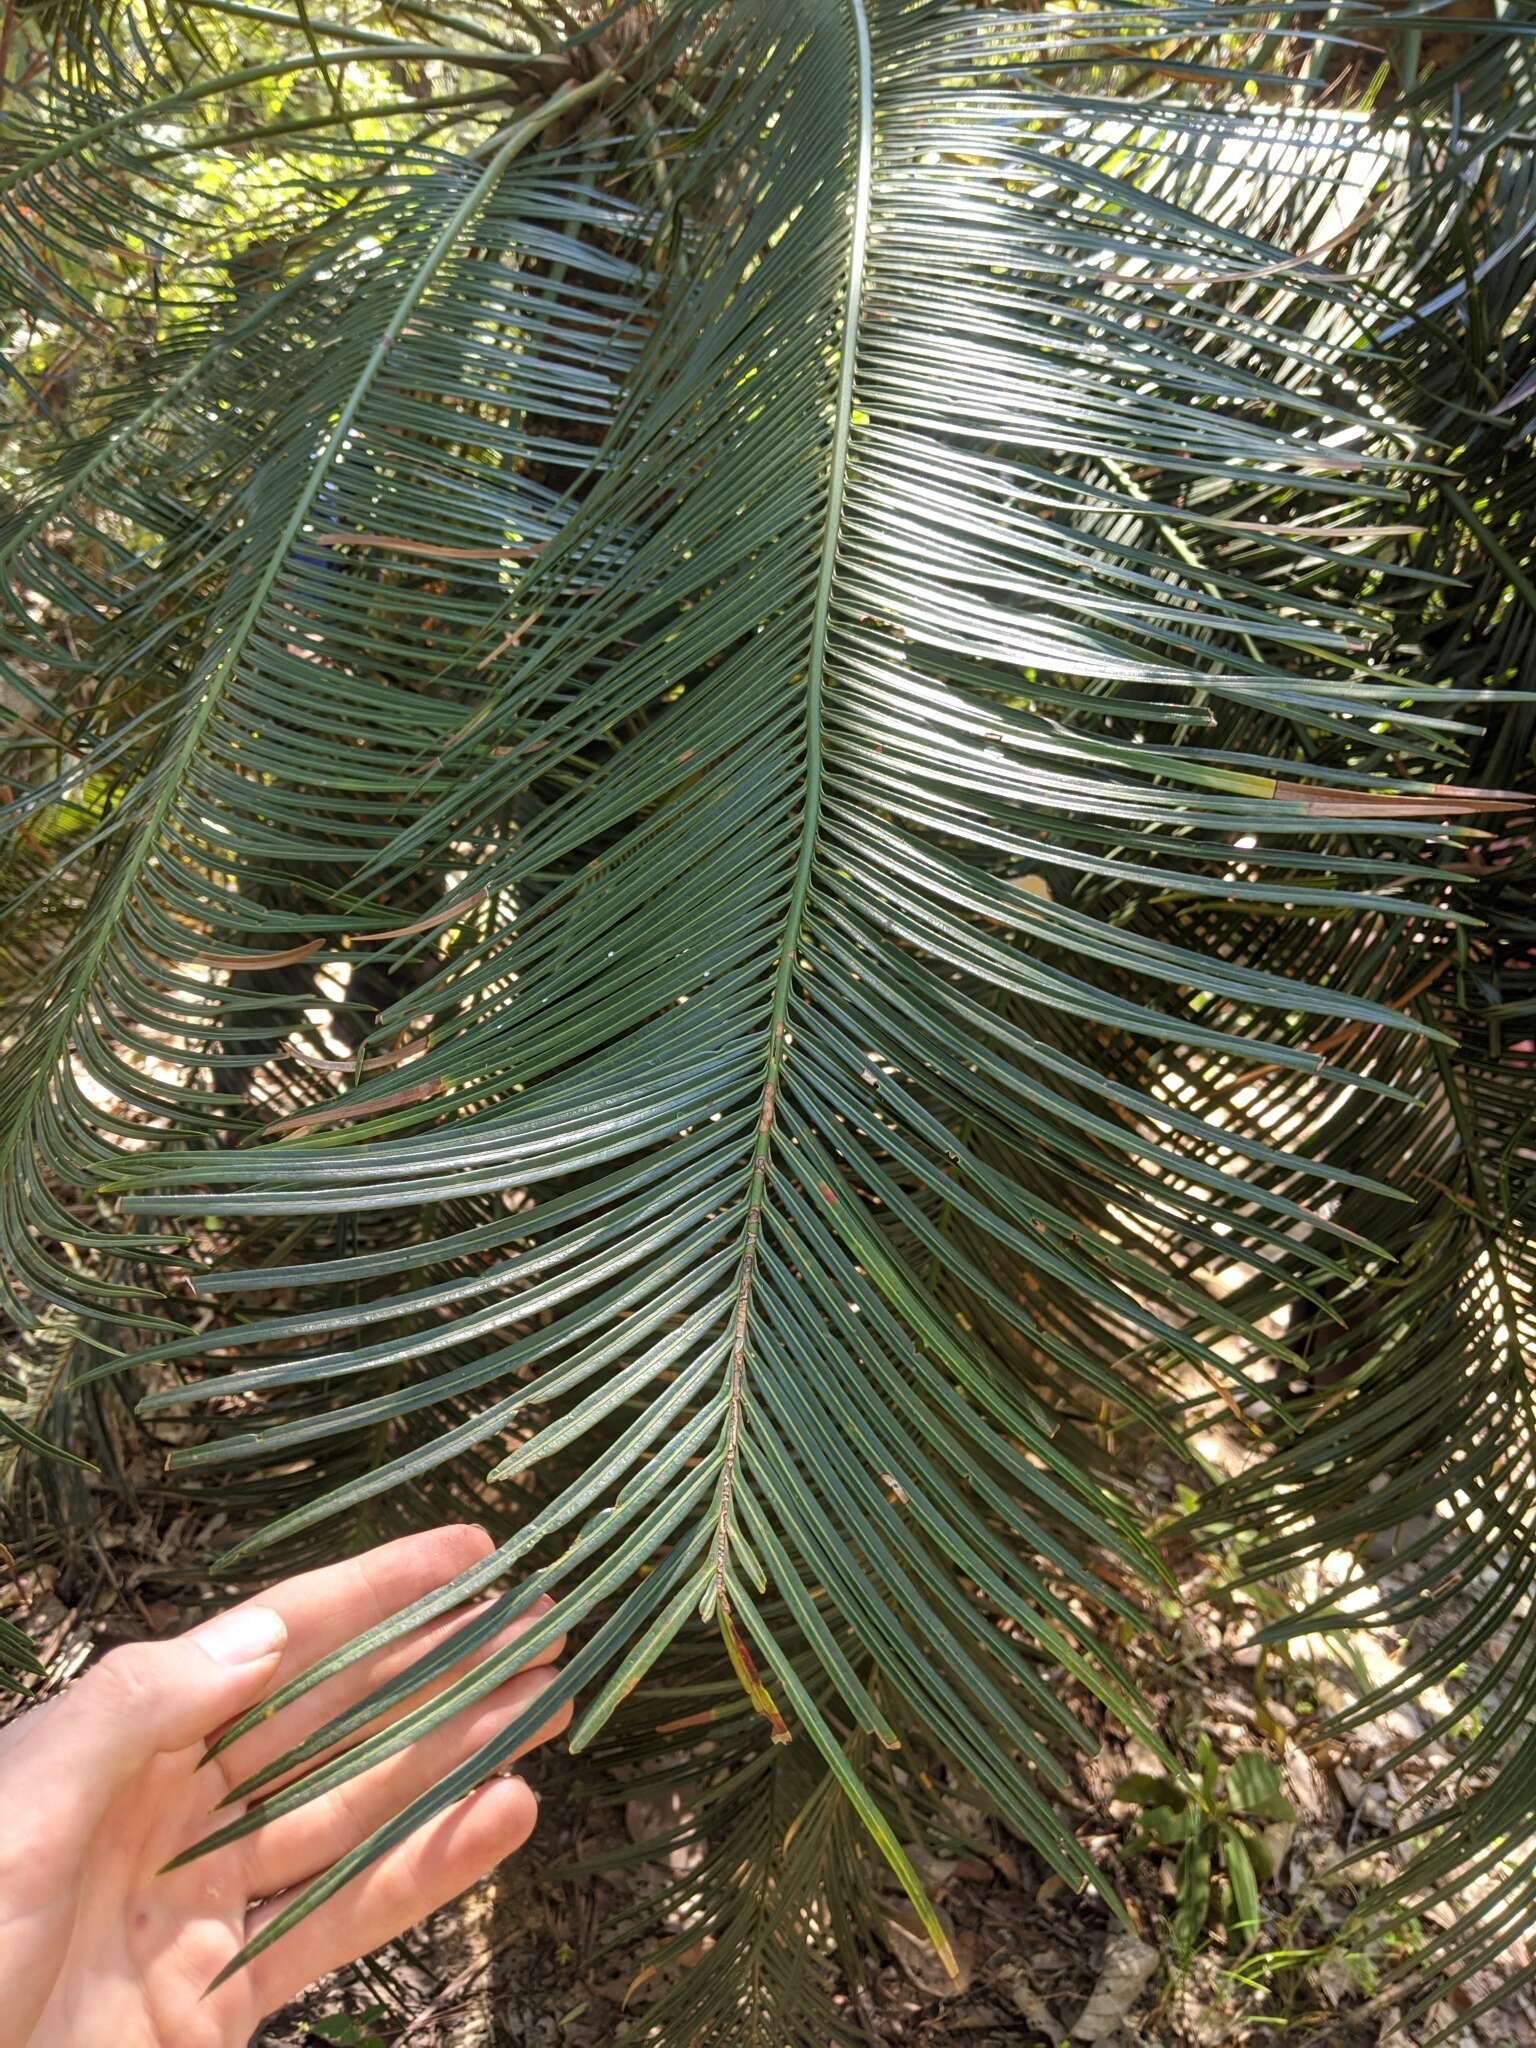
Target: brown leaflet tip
{"points": [[699, 1720], [634, 1984], [436, 551], [445, 914], [239, 962], [1443, 800], [746, 1670], [335, 1112], [369, 1066]]}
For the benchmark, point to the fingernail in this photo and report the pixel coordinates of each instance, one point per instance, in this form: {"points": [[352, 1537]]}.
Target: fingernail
{"points": [[243, 1635]]}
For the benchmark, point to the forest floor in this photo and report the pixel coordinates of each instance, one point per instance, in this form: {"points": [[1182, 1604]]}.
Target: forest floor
{"points": [[517, 1965]]}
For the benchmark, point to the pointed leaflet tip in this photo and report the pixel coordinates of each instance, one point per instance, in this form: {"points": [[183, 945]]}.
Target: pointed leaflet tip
{"points": [[746, 1670]]}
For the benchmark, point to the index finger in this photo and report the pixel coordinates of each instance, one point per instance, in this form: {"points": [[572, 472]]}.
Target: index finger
{"points": [[326, 1608]]}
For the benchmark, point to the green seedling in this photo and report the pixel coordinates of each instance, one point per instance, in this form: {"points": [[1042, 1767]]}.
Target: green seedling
{"points": [[1211, 1821], [351, 2030]]}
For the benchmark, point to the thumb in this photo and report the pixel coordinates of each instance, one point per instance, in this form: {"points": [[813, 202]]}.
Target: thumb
{"points": [[139, 1702], [147, 1698], [63, 1764]]}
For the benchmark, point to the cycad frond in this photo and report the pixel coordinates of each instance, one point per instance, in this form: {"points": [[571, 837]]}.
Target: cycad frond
{"points": [[742, 620], [1416, 1414]]}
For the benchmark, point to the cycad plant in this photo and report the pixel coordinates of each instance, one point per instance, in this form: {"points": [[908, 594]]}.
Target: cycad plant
{"points": [[764, 812]]}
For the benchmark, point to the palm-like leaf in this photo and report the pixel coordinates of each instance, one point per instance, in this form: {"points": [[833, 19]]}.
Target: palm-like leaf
{"points": [[746, 614], [1416, 1442]]}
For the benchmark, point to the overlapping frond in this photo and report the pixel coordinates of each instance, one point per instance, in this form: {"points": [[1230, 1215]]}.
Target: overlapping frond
{"points": [[1414, 1412]]}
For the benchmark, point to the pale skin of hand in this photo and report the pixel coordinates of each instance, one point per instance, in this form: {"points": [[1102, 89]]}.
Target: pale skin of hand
{"points": [[100, 1787]]}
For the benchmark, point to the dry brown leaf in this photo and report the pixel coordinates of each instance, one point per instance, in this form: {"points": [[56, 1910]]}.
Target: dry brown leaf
{"points": [[1016, 1984], [920, 1961], [1123, 1974]]}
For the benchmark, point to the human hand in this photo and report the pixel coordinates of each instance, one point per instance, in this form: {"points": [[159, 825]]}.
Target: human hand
{"points": [[100, 1787]]}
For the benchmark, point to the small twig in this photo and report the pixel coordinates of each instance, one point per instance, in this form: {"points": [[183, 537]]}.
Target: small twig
{"points": [[455, 1989]]}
